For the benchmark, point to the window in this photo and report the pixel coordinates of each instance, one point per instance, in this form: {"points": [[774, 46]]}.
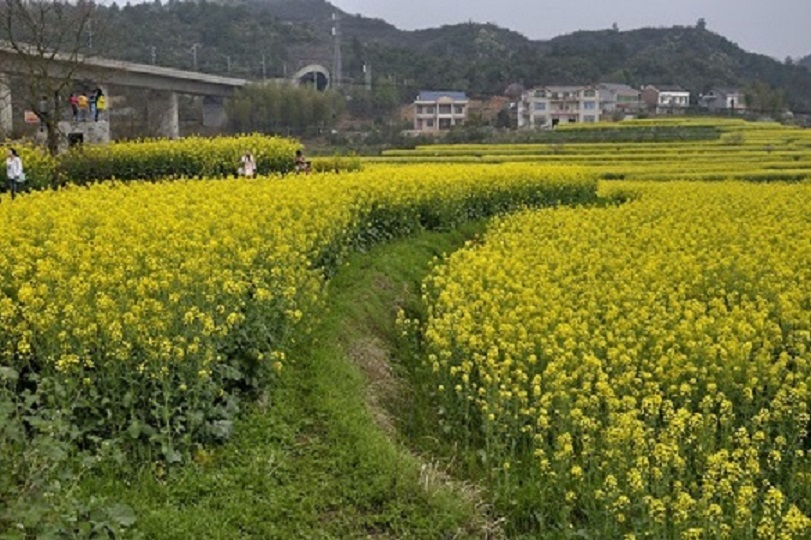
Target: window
{"points": [[429, 122], [444, 123], [458, 109], [429, 110], [590, 118], [588, 93], [590, 105], [540, 106], [444, 109]]}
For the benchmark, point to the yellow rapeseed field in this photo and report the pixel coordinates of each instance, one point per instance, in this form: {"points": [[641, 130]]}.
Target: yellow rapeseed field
{"points": [[149, 307], [636, 371]]}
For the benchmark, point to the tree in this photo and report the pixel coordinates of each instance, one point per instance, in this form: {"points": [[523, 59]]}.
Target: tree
{"points": [[49, 41], [287, 109]]}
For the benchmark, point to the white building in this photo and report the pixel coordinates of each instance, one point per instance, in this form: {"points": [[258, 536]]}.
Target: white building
{"points": [[439, 111], [549, 106], [666, 99]]}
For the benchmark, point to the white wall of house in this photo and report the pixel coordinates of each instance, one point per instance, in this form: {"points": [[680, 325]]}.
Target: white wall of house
{"points": [[543, 107], [439, 114]]}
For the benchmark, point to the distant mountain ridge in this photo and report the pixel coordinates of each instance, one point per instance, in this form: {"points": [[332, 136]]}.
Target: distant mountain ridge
{"points": [[484, 58], [274, 37]]}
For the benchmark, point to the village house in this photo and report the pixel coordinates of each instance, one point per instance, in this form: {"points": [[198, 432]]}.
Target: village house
{"points": [[436, 111], [666, 99], [723, 100], [619, 101], [549, 106]]}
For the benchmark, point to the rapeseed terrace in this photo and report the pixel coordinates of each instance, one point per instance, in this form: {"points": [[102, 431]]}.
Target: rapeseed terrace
{"points": [[149, 309], [636, 370]]}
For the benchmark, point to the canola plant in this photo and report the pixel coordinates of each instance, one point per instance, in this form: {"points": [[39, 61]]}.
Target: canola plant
{"points": [[635, 371], [147, 309]]}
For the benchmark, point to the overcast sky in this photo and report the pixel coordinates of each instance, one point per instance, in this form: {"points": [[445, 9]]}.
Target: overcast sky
{"points": [[777, 28]]}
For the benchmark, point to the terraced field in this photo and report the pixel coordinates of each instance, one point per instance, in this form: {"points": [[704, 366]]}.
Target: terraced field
{"points": [[739, 150]]}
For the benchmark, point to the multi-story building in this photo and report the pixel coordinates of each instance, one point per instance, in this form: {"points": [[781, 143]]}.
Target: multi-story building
{"points": [[549, 106], [619, 100], [666, 99], [439, 111]]}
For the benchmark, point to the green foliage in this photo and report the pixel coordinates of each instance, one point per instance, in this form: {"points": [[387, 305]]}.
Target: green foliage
{"points": [[41, 468], [762, 97], [232, 35], [281, 108]]}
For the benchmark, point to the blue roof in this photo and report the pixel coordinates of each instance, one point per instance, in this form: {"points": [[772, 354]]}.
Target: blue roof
{"points": [[434, 95]]}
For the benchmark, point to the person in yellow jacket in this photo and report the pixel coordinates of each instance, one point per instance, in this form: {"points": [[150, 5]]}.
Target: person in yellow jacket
{"points": [[101, 103], [82, 103]]}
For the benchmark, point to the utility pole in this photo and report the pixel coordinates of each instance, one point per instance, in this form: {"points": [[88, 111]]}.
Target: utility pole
{"points": [[337, 61], [264, 68], [194, 55], [89, 33], [228, 63], [152, 54], [367, 76]]}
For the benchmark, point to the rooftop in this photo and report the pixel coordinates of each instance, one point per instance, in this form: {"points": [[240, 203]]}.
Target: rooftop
{"points": [[436, 95]]}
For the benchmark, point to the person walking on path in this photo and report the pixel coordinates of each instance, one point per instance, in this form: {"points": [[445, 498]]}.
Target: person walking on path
{"points": [[14, 171], [247, 165]]}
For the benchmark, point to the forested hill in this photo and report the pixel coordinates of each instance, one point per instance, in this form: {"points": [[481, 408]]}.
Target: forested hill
{"points": [[481, 59], [806, 61]]}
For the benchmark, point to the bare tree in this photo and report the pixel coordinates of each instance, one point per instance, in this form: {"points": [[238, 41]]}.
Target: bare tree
{"points": [[47, 43]]}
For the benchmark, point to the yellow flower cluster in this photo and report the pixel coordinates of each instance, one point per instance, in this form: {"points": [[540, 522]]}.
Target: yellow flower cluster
{"points": [[155, 159], [150, 301], [643, 368]]}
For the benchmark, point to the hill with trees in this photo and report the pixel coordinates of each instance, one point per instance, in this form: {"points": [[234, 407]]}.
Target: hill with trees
{"points": [[270, 38]]}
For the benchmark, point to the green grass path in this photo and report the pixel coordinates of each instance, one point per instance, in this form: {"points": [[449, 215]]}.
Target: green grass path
{"points": [[318, 458]]}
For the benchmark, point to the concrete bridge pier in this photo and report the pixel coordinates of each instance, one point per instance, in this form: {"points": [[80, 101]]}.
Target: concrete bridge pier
{"points": [[162, 112], [6, 111], [214, 114]]}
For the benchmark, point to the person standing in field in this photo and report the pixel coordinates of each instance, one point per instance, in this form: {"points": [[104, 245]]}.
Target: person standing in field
{"points": [[14, 171], [301, 164], [247, 166]]}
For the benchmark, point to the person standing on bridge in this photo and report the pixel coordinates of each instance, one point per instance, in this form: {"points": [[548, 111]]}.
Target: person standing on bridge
{"points": [[101, 103], [81, 101], [92, 101], [74, 105]]}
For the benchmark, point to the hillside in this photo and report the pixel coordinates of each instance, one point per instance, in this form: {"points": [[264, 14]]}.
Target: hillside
{"points": [[481, 59], [805, 61]]}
